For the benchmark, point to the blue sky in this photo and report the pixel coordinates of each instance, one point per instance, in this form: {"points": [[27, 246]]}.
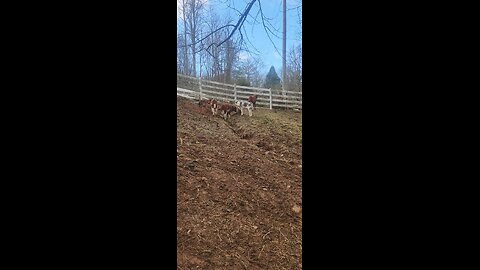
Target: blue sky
{"points": [[256, 33]]}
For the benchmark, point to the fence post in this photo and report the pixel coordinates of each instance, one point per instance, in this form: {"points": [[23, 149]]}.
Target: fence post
{"points": [[270, 98], [200, 87], [235, 92]]}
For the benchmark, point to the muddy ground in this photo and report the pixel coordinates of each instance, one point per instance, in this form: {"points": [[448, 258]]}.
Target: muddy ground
{"points": [[239, 189]]}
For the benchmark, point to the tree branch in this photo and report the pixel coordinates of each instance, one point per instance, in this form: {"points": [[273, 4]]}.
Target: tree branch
{"points": [[240, 21], [265, 27], [213, 32], [236, 27]]}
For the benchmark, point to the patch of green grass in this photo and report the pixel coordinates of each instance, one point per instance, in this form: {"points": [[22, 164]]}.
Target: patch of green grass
{"points": [[285, 124]]}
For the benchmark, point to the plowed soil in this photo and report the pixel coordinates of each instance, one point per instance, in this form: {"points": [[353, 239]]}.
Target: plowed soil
{"points": [[239, 189]]}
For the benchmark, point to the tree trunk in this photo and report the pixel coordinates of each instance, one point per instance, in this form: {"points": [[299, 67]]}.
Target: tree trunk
{"points": [[185, 55]]}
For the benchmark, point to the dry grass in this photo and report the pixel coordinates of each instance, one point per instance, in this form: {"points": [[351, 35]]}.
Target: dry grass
{"points": [[238, 190]]}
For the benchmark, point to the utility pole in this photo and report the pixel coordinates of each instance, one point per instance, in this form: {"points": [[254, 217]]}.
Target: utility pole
{"points": [[284, 49]]}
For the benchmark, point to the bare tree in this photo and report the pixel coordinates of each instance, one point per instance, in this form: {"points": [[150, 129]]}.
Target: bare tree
{"points": [[181, 56], [235, 28], [294, 69], [191, 17], [223, 40], [212, 58], [183, 10], [195, 9], [218, 62], [247, 72]]}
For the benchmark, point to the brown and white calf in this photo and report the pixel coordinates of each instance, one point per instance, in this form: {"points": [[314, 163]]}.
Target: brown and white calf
{"points": [[227, 110], [213, 105], [245, 105], [253, 100], [209, 103]]}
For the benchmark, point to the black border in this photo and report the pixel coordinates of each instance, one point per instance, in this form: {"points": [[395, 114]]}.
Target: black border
{"points": [[380, 138], [95, 132]]}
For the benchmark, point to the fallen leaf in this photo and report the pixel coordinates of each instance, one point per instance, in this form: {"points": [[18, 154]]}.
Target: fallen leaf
{"points": [[297, 209]]}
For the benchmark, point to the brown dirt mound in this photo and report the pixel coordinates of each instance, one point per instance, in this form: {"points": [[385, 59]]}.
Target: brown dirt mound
{"points": [[239, 192]]}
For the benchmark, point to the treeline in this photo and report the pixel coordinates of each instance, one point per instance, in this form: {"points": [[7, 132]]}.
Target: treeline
{"points": [[200, 29]]}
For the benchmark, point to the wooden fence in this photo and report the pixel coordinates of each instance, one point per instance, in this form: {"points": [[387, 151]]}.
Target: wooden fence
{"points": [[196, 88]]}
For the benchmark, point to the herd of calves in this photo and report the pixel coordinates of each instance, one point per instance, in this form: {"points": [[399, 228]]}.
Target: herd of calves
{"points": [[228, 109]]}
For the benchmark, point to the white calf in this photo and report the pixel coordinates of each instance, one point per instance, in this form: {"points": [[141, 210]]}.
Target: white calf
{"points": [[245, 105]]}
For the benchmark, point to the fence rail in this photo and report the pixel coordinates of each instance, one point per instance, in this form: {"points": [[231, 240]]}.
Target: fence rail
{"points": [[196, 88]]}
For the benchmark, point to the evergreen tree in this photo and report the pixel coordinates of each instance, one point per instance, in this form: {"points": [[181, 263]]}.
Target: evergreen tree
{"points": [[272, 80]]}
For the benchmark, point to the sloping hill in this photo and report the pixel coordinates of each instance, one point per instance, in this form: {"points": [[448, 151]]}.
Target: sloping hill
{"points": [[238, 189]]}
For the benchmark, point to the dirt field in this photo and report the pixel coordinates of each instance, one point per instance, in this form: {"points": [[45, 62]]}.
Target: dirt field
{"points": [[239, 189]]}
